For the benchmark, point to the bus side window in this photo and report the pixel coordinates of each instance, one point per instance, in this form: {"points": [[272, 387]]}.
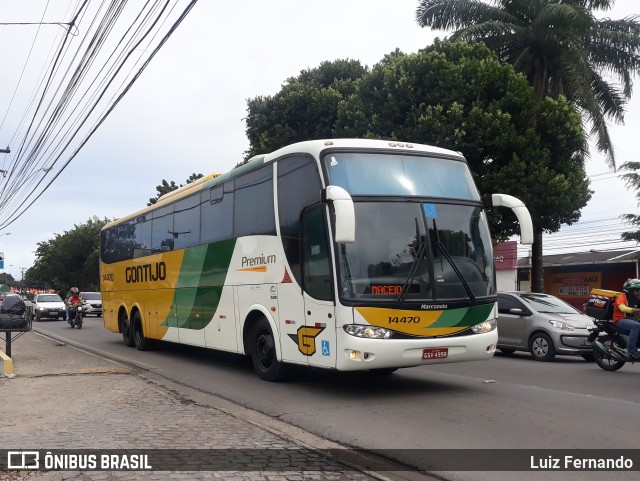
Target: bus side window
{"points": [[316, 263], [253, 203], [216, 213], [186, 222], [162, 238], [298, 187], [142, 244]]}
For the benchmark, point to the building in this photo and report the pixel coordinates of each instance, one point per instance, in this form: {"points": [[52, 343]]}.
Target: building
{"points": [[571, 276]]}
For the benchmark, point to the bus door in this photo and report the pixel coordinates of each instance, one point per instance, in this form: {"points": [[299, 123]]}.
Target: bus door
{"points": [[318, 341]]}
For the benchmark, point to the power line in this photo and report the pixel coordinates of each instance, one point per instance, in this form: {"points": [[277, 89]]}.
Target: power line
{"points": [[80, 93]]}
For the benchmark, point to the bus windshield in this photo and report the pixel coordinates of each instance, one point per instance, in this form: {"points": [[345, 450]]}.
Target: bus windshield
{"points": [[415, 251], [361, 173]]}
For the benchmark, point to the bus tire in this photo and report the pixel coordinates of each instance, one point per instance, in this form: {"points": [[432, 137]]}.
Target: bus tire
{"points": [[127, 332], [141, 342], [263, 352]]}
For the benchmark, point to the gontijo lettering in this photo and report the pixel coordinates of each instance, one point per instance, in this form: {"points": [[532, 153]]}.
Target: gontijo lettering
{"points": [[146, 273]]}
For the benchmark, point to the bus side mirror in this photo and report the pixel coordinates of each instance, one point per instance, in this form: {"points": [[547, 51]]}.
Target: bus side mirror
{"points": [[521, 212], [345, 214]]}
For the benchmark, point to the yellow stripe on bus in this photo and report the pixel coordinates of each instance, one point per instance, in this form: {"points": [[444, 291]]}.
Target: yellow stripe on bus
{"points": [[409, 322]]}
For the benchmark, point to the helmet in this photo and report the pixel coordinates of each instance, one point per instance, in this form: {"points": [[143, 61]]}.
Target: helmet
{"points": [[631, 285], [74, 290]]}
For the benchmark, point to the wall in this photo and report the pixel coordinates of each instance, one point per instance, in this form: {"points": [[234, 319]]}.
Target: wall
{"points": [[573, 284]]}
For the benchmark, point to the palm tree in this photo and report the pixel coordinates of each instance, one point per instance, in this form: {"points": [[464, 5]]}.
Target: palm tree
{"points": [[562, 49], [558, 45]]}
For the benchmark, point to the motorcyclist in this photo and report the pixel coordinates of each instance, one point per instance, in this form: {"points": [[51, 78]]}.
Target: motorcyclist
{"points": [[626, 312], [73, 301]]}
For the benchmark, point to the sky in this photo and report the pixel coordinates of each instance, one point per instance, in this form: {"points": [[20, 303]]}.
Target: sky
{"points": [[185, 112]]}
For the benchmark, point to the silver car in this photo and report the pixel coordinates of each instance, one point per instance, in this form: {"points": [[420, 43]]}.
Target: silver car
{"points": [[542, 325]]}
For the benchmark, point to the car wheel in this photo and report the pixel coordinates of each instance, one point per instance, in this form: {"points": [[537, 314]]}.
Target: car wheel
{"points": [[505, 350], [263, 352], [541, 347]]}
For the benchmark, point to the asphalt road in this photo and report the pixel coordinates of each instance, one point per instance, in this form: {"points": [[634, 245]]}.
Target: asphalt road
{"points": [[507, 402]]}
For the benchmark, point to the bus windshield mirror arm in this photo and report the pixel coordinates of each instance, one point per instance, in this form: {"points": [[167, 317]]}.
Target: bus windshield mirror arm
{"points": [[521, 212]]}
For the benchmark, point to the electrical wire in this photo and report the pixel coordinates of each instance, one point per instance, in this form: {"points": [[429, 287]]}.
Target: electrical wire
{"points": [[78, 95]]}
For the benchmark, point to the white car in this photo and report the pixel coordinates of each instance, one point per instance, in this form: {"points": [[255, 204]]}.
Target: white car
{"points": [[91, 303], [48, 306]]}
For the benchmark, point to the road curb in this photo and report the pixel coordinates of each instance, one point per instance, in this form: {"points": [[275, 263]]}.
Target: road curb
{"points": [[6, 364]]}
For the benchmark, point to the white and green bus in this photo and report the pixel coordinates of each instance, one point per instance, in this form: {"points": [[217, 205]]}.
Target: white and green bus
{"points": [[346, 254]]}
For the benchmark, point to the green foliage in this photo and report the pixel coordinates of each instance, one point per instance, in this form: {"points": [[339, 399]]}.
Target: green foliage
{"points": [[69, 259], [558, 45], [305, 108], [458, 96], [632, 179], [166, 187], [6, 278]]}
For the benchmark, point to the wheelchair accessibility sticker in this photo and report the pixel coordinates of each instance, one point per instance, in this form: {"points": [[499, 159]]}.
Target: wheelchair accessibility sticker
{"points": [[325, 348]]}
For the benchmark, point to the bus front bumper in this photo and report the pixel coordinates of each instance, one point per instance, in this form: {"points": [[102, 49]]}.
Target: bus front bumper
{"points": [[356, 353]]}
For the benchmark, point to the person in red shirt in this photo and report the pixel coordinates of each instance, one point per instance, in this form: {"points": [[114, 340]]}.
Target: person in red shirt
{"points": [[73, 301], [626, 312]]}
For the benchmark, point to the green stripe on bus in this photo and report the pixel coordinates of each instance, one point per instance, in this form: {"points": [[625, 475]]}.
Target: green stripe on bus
{"points": [[468, 316], [199, 287]]}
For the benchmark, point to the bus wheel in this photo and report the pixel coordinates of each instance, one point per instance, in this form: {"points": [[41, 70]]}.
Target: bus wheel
{"points": [[127, 332], [263, 352], [141, 342]]}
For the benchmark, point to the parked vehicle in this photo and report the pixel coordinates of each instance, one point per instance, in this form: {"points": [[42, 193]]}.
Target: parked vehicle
{"points": [[75, 315], [92, 303], [543, 325], [48, 306]]}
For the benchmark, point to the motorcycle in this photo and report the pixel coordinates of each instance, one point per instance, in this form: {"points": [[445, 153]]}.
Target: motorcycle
{"points": [[75, 316], [609, 345]]}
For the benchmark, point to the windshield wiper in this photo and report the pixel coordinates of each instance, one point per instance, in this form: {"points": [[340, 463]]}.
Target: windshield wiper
{"points": [[421, 245], [451, 262], [347, 268]]}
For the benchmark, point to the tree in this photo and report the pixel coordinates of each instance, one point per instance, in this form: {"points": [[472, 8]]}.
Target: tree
{"points": [[6, 278], [69, 259], [459, 96], [632, 179], [305, 108], [559, 46], [166, 187]]}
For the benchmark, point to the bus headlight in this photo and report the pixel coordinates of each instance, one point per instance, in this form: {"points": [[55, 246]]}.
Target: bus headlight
{"points": [[485, 326], [369, 332]]}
